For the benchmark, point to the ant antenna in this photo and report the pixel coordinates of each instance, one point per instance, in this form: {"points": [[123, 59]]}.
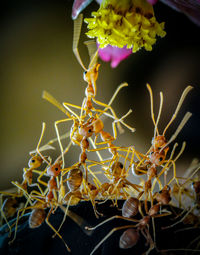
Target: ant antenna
{"points": [[77, 30], [92, 52], [52, 100], [39, 142], [185, 92], [159, 113], [179, 128], [152, 112]]}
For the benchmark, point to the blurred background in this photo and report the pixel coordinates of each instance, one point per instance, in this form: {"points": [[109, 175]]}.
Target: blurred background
{"points": [[36, 55]]}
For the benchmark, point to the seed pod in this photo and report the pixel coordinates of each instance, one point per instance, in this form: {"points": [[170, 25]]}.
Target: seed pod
{"points": [[75, 177], [37, 217], [129, 238], [130, 207]]}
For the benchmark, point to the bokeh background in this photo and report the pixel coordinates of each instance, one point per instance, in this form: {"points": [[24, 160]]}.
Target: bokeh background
{"points": [[36, 55]]}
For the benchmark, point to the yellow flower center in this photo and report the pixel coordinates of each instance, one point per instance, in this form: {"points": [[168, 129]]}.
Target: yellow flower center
{"points": [[122, 23]]}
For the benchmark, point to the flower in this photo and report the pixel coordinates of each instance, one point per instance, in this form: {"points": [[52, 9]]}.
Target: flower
{"points": [[125, 23], [114, 54]]}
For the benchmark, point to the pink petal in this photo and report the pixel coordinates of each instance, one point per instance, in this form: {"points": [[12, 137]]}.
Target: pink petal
{"points": [[189, 7], [114, 54], [78, 6], [152, 1]]}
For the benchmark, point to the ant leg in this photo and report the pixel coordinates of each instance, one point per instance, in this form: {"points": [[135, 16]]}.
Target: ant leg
{"points": [[134, 186], [95, 149], [10, 194], [109, 234], [124, 84], [184, 94], [49, 224], [1, 204], [40, 176], [112, 111], [70, 110], [3, 216], [58, 135], [94, 206], [17, 220], [181, 220], [150, 241], [174, 177], [91, 172], [76, 36], [111, 218], [64, 217]]}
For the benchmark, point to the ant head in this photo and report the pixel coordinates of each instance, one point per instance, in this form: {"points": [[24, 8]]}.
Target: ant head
{"points": [[196, 187], [54, 170], [91, 75], [157, 158], [35, 161], [158, 142], [166, 188], [164, 195], [86, 130]]}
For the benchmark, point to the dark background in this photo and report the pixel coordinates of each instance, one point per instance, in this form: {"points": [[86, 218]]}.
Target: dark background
{"points": [[36, 54]]}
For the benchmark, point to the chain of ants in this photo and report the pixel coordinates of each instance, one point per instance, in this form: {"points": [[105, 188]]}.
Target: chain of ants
{"points": [[81, 180]]}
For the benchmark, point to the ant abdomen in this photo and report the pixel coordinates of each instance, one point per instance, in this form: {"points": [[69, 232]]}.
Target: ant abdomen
{"points": [[9, 207], [37, 217], [75, 177], [116, 169], [130, 207], [129, 238]]}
